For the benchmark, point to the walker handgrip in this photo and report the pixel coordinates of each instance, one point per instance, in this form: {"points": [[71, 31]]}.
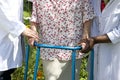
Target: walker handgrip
{"points": [[57, 47]]}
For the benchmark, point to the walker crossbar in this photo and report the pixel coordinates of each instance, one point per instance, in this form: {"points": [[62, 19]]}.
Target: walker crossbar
{"points": [[52, 47], [57, 47]]}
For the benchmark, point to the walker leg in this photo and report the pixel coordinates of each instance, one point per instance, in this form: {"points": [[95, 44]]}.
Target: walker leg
{"points": [[92, 65], [73, 63], [26, 61], [36, 63]]}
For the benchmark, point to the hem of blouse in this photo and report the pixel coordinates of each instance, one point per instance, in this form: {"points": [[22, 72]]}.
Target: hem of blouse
{"points": [[82, 56]]}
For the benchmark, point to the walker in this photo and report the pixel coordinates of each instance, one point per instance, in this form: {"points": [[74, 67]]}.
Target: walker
{"points": [[52, 47]]}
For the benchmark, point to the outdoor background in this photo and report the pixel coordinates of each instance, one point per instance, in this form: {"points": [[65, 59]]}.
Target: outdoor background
{"points": [[19, 73]]}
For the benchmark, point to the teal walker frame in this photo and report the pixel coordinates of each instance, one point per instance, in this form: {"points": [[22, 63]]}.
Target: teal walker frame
{"points": [[39, 46]]}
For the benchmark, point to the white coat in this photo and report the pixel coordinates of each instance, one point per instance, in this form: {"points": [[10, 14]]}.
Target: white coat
{"points": [[94, 32], [109, 53], [11, 28], [96, 5]]}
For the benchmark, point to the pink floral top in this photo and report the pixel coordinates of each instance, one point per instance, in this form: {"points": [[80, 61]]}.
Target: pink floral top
{"points": [[60, 22]]}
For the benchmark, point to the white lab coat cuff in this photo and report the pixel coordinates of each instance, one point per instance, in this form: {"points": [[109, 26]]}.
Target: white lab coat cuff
{"points": [[18, 30], [113, 38]]}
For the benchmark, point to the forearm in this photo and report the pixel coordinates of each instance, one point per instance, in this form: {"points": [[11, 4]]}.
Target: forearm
{"points": [[86, 29], [102, 39]]}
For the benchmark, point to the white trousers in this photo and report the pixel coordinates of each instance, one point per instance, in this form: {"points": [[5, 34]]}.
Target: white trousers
{"points": [[60, 70]]}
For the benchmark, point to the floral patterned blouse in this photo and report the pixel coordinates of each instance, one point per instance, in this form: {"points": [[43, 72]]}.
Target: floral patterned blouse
{"points": [[60, 22]]}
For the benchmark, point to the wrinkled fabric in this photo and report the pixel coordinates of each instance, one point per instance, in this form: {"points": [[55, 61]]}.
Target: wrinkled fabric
{"points": [[61, 23], [108, 62], [11, 27]]}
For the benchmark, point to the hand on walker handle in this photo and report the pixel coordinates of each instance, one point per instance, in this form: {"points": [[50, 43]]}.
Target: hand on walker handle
{"points": [[86, 44], [32, 35]]}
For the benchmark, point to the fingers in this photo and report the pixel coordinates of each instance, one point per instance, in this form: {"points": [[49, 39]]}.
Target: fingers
{"points": [[83, 45], [31, 34], [31, 41], [86, 45]]}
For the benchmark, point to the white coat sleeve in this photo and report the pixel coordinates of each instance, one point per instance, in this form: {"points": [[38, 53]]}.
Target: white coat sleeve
{"points": [[11, 26], [114, 35]]}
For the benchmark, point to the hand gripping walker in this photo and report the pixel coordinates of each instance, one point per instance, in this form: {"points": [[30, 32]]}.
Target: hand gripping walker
{"points": [[38, 56]]}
